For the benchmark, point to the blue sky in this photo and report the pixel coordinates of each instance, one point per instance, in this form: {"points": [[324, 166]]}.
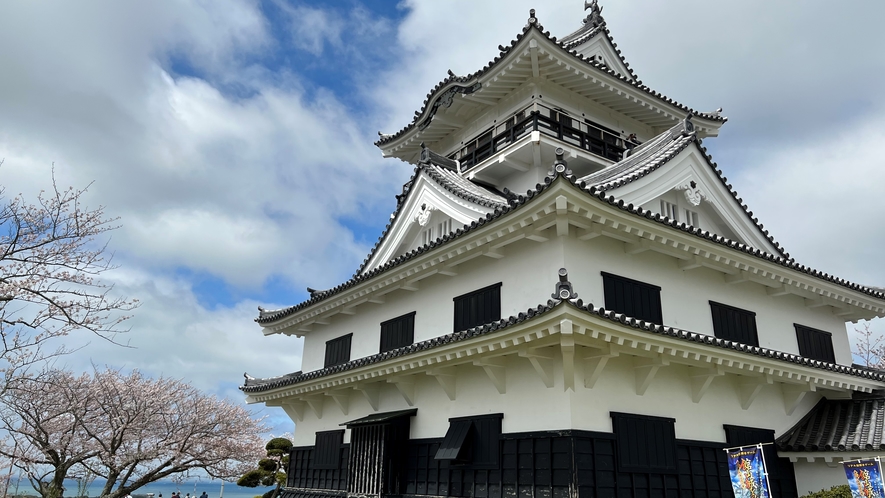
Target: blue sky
{"points": [[233, 138]]}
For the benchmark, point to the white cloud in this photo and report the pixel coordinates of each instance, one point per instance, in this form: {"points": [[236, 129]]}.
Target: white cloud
{"points": [[313, 28], [822, 200], [174, 335]]}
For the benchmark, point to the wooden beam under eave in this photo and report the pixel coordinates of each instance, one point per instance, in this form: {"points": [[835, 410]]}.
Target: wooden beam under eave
{"points": [[646, 369], [447, 378], [405, 384], [595, 362], [542, 361], [594, 231], [701, 380], [477, 99], [567, 348], [793, 395], [372, 393], [690, 264], [495, 369], [316, 404], [783, 290], [295, 410], [342, 399], [749, 387]]}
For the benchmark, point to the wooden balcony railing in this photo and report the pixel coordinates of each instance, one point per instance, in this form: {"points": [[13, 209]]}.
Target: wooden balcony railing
{"points": [[555, 123]]}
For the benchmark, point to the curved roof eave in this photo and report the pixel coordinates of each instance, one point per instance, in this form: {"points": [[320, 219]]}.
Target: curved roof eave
{"points": [[452, 82], [261, 385], [267, 317]]}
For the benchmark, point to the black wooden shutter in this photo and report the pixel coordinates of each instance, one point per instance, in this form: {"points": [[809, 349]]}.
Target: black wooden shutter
{"points": [[645, 444], [456, 444], [473, 440], [633, 298], [398, 332], [734, 324], [478, 307], [327, 452], [338, 351], [815, 344], [486, 440]]}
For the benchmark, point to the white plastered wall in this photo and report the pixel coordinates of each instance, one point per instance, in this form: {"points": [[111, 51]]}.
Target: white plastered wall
{"points": [[817, 475], [685, 295], [528, 274]]}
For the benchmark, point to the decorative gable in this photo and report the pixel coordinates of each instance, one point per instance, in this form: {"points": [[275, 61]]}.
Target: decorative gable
{"points": [[438, 201], [688, 189], [593, 41]]}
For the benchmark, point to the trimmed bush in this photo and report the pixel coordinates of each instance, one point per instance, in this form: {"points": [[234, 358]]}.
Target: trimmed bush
{"points": [[842, 491]]}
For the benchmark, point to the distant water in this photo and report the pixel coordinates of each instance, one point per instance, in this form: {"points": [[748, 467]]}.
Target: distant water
{"points": [[194, 488]]}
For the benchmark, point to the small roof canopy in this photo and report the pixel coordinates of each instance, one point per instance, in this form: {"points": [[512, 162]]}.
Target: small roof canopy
{"points": [[380, 418]]}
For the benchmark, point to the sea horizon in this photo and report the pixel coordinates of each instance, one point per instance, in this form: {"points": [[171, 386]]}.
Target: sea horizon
{"points": [[163, 488]]}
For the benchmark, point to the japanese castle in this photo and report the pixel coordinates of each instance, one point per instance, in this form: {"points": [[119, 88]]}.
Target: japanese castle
{"points": [[570, 300]]}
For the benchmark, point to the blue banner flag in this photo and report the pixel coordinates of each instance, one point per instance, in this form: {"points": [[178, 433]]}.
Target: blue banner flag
{"points": [[747, 469], [865, 478]]}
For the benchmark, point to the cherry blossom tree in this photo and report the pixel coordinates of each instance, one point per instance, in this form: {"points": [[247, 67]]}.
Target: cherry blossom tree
{"points": [[128, 429], [50, 261]]}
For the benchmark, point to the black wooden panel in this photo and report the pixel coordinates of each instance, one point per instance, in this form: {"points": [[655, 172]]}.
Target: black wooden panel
{"points": [[338, 351], [565, 465], [302, 474], [398, 332], [478, 307], [734, 324], [486, 441], [645, 444], [633, 298], [327, 453], [815, 344], [456, 444], [781, 475]]}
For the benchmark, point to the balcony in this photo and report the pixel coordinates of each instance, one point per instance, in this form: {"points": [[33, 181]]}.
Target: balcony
{"points": [[556, 123]]}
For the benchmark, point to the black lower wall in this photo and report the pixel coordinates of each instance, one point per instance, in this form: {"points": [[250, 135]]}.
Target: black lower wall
{"points": [[552, 465]]}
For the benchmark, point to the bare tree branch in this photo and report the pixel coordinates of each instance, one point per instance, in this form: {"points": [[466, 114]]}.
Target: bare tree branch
{"points": [[50, 264]]}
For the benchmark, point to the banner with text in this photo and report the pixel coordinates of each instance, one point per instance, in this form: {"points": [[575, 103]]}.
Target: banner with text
{"points": [[747, 469], [865, 478]]}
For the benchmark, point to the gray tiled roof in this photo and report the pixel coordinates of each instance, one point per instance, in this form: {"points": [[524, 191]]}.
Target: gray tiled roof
{"points": [[311, 493], [473, 78], [519, 201], [259, 386], [642, 160], [464, 188], [838, 425]]}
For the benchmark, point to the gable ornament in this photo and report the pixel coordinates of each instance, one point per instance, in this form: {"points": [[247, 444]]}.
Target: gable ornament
{"points": [[692, 193], [424, 214]]}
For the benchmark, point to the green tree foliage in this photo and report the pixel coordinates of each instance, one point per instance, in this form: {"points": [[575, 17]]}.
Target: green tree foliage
{"points": [[842, 491], [270, 471]]}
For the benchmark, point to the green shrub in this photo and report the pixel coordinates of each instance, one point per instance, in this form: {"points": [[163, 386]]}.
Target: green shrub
{"points": [[842, 491]]}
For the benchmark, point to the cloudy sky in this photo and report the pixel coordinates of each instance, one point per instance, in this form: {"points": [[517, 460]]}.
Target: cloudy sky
{"points": [[233, 138]]}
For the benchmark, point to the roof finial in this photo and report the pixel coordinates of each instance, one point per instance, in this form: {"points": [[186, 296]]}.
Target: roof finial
{"points": [[564, 289], [560, 166], [532, 18], [595, 17]]}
